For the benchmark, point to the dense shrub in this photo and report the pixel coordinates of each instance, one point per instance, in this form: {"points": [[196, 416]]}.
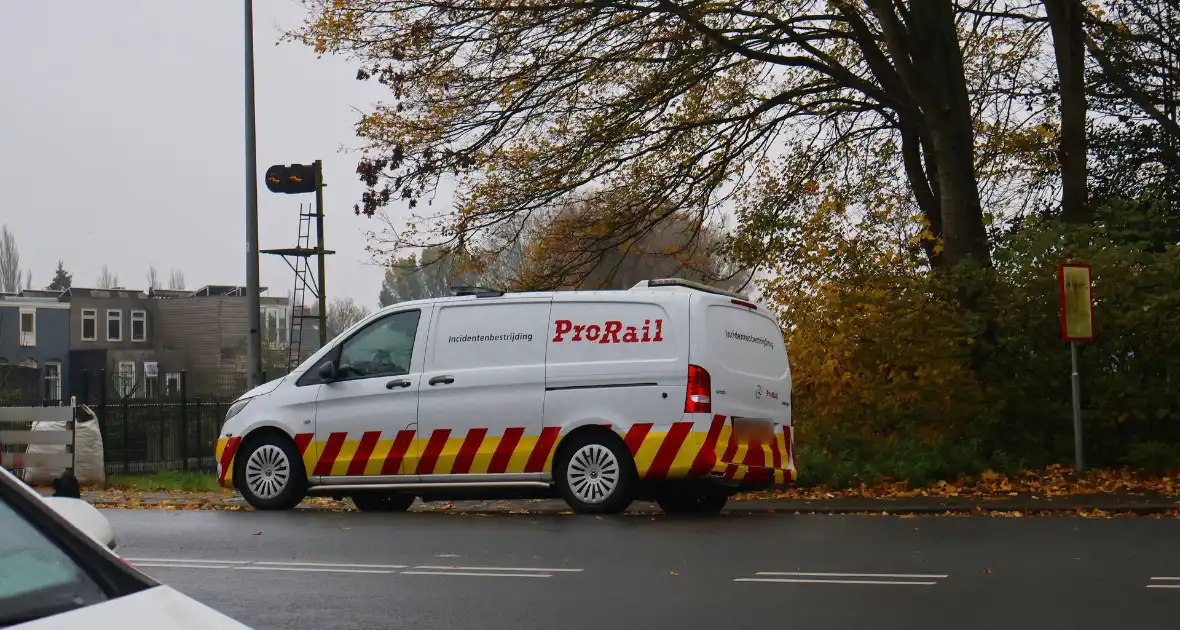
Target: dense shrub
{"points": [[897, 376]]}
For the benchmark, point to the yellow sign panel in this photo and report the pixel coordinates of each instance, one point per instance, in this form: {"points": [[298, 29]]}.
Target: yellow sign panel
{"points": [[1077, 303]]}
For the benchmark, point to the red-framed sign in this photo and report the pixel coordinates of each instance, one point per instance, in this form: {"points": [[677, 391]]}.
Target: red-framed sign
{"points": [[1075, 284]]}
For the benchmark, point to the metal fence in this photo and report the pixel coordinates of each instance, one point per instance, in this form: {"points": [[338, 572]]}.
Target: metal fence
{"points": [[148, 429]]}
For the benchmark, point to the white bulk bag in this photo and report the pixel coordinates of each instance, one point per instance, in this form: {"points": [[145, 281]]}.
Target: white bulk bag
{"points": [[89, 467]]}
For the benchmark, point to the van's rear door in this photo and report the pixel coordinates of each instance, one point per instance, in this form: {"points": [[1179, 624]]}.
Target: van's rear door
{"points": [[742, 349]]}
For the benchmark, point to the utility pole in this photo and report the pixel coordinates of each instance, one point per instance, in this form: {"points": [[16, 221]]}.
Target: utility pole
{"points": [[321, 276], [253, 307]]}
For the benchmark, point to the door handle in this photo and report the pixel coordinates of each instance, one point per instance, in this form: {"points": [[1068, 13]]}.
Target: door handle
{"points": [[401, 382], [445, 380]]}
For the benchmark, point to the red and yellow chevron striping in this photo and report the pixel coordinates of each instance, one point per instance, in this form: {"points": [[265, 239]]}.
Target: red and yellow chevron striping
{"points": [[672, 451]]}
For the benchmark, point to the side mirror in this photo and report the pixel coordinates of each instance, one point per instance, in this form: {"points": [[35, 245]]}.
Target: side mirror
{"points": [[327, 371], [85, 517]]}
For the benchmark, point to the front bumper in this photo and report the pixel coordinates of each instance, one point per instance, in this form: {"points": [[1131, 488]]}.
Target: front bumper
{"points": [[227, 449]]}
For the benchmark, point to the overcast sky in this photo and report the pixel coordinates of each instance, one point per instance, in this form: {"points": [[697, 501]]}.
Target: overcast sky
{"points": [[121, 140]]}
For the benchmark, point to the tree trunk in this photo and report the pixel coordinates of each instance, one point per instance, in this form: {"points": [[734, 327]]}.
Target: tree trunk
{"points": [[1069, 47], [941, 91]]}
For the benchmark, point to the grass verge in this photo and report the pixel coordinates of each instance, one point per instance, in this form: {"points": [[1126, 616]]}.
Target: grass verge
{"points": [[166, 481]]}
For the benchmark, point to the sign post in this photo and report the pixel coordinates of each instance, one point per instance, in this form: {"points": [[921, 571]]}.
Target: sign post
{"points": [[1077, 325]]}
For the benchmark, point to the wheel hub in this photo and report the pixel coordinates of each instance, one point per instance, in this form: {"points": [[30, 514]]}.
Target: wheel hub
{"points": [[593, 473], [267, 471]]}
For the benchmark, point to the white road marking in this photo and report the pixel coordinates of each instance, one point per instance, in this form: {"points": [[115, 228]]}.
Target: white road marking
{"points": [[1165, 579], [311, 570], [534, 569], [854, 575], [810, 581], [190, 560], [179, 565], [466, 574], [811, 577], [329, 564], [344, 567]]}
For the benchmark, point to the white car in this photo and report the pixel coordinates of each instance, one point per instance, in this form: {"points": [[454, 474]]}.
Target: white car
{"points": [[55, 577], [672, 390]]}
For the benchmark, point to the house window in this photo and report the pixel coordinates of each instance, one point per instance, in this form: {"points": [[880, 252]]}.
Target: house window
{"points": [[89, 324], [28, 327], [114, 325], [151, 378], [172, 383], [138, 325], [125, 378], [52, 380], [276, 330]]}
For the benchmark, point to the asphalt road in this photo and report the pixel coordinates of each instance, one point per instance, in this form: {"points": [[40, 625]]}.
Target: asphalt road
{"points": [[322, 570]]}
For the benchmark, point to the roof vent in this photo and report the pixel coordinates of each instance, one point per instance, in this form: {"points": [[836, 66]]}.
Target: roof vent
{"points": [[686, 284]]}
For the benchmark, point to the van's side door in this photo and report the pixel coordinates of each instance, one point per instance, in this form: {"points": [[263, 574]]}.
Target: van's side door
{"points": [[366, 415], [482, 396]]}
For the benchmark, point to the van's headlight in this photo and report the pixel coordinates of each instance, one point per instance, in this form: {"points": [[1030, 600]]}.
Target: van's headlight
{"points": [[236, 408]]}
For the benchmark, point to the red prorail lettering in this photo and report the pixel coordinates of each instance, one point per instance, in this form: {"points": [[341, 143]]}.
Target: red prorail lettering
{"points": [[611, 331]]}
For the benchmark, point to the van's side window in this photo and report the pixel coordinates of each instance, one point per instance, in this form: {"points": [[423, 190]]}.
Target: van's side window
{"points": [[383, 348]]}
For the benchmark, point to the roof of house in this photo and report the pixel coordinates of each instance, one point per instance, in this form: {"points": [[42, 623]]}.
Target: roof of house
{"points": [[224, 289], [15, 300], [118, 292], [49, 293]]}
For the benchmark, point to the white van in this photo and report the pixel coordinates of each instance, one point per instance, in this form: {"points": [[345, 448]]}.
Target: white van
{"points": [[671, 391]]}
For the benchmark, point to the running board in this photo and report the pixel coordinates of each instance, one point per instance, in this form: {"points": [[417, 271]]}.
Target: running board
{"points": [[427, 484]]}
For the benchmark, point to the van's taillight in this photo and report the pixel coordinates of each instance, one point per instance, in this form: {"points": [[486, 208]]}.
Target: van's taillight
{"points": [[697, 399], [750, 305]]}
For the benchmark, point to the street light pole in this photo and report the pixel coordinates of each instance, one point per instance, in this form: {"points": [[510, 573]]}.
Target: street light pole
{"points": [[253, 308]]}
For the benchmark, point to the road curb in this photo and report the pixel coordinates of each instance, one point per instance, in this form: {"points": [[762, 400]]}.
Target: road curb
{"points": [[1120, 503]]}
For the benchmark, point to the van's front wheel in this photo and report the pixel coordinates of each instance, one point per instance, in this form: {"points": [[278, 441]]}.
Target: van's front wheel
{"points": [[269, 474], [596, 475]]}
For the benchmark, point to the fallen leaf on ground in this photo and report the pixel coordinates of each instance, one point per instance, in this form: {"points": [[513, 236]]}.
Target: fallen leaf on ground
{"points": [[257, 534]]}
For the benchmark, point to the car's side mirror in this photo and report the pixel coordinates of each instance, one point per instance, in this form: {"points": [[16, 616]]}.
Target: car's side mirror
{"points": [[328, 371], [85, 517]]}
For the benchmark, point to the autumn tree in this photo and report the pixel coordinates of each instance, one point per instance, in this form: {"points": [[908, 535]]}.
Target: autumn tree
{"points": [[416, 278], [566, 251], [1135, 47], [10, 271], [342, 313], [153, 279], [661, 108], [106, 279], [62, 279], [176, 280]]}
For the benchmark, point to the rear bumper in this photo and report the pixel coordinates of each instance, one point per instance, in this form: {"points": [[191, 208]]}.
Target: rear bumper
{"points": [[750, 464], [753, 477]]}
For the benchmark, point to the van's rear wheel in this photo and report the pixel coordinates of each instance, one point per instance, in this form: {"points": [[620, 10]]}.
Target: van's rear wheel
{"points": [[708, 501], [269, 473], [382, 501], [596, 475]]}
